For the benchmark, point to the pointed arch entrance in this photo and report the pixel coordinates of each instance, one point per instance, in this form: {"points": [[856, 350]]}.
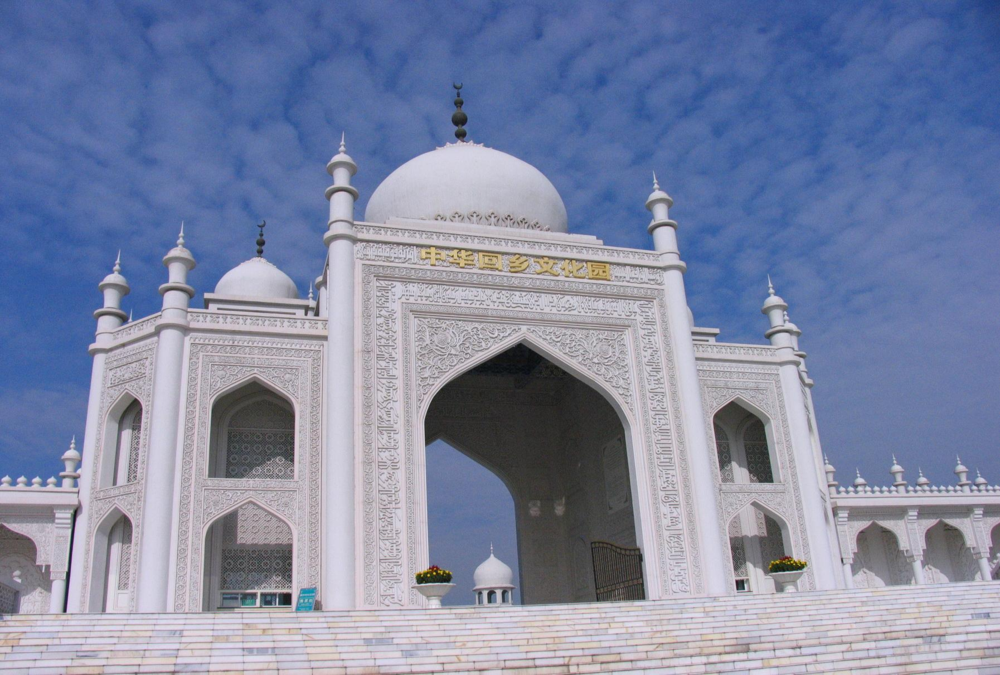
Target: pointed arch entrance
{"points": [[563, 451]]}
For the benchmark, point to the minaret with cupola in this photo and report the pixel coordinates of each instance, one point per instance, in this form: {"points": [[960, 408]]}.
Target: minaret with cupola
{"points": [[700, 452], [109, 317], [338, 538], [814, 505], [156, 546]]}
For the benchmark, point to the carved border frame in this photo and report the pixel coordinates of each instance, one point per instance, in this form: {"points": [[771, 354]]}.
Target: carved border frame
{"points": [[215, 365], [390, 294], [128, 370], [761, 387]]}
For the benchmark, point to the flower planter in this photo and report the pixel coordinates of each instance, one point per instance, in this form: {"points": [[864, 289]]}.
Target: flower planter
{"points": [[787, 582], [433, 593]]}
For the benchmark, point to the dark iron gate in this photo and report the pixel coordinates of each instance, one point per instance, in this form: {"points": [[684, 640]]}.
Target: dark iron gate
{"points": [[9, 599], [617, 572]]}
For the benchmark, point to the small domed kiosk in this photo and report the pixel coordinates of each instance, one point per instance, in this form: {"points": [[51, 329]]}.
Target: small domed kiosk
{"points": [[494, 582]]}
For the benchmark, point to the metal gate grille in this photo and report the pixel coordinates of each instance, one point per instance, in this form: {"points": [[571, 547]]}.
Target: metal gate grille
{"points": [[617, 572], [9, 600]]}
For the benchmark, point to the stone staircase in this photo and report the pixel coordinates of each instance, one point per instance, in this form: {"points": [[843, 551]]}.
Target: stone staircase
{"points": [[952, 628]]}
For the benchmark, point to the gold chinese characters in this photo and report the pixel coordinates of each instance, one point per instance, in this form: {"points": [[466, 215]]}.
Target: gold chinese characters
{"points": [[516, 263]]}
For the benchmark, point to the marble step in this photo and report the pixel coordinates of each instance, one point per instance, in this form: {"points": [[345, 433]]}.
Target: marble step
{"points": [[952, 628]]}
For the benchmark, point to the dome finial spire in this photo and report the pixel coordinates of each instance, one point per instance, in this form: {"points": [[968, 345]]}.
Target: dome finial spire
{"points": [[343, 145], [459, 118], [770, 286], [180, 237], [118, 263], [656, 184], [260, 239]]}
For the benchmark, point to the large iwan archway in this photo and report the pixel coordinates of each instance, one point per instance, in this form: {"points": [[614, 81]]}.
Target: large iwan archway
{"points": [[562, 450]]}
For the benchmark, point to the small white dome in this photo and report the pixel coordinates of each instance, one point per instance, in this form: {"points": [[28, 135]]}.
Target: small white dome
{"points": [[469, 183], [493, 573], [257, 278]]}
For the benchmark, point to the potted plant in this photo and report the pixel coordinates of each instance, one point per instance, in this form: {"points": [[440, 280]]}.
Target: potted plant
{"points": [[433, 583], [786, 572]]}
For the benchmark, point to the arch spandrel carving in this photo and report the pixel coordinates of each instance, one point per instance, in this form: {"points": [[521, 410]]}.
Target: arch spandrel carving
{"points": [[895, 523], [39, 529], [960, 522]]}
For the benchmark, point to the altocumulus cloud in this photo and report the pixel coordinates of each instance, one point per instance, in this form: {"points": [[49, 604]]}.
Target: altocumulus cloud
{"points": [[850, 149]]}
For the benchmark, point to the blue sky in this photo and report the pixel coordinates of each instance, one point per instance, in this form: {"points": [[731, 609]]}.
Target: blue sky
{"points": [[850, 149]]}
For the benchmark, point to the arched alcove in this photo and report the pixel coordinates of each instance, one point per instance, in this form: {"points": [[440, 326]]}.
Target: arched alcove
{"points": [[248, 560], [253, 435], [878, 560], [122, 442], [757, 536], [24, 587], [744, 445], [947, 557], [563, 451], [112, 568]]}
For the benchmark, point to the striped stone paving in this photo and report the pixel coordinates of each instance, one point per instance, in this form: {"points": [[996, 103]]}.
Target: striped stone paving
{"points": [[953, 628]]}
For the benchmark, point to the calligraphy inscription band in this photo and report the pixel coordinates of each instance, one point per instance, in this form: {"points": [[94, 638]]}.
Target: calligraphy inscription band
{"points": [[517, 263]]}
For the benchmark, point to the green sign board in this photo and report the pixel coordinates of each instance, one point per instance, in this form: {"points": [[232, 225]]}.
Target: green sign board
{"points": [[307, 600]]}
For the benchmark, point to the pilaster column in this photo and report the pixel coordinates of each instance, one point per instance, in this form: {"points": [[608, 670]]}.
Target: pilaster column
{"points": [[339, 554], [63, 524], [982, 548], [707, 515], [109, 319], [917, 563], [814, 503], [916, 555], [156, 530]]}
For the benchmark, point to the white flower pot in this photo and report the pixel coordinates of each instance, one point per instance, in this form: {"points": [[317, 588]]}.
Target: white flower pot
{"points": [[433, 593], [787, 582]]}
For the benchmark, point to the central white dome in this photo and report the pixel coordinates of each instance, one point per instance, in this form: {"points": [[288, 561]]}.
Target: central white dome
{"points": [[469, 183]]}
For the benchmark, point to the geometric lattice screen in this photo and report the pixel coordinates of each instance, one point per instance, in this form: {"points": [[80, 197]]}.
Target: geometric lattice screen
{"points": [[758, 458], [256, 551], [725, 454], [260, 442], [9, 599]]}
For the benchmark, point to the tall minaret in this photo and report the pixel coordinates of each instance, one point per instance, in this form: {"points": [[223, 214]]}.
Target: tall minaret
{"points": [[157, 538], [109, 318], [338, 574], [815, 507], [710, 526]]}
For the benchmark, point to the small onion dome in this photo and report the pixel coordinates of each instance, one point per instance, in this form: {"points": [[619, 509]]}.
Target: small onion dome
{"points": [[827, 466], [980, 481], [257, 278], [773, 300], [922, 480], [72, 454], [895, 468], [115, 279], [859, 481], [493, 573], [959, 467]]}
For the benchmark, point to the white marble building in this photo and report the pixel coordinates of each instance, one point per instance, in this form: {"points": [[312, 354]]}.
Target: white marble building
{"points": [[238, 452]]}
